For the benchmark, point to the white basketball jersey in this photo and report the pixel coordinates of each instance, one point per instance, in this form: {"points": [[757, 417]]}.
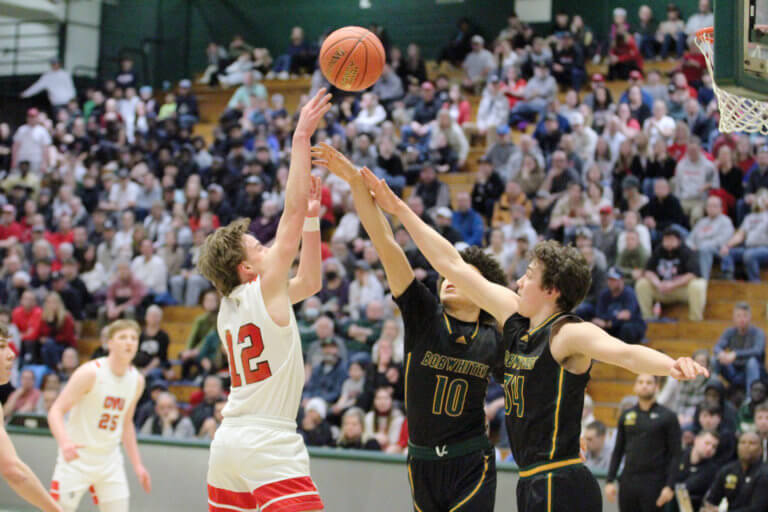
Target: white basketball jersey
{"points": [[97, 420], [265, 360]]}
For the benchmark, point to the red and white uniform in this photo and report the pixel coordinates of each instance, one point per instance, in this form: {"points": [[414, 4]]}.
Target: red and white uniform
{"points": [[258, 461], [96, 423]]}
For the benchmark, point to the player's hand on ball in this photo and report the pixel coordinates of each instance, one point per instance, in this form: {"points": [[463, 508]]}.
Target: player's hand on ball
{"points": [[385, 198], [312, 112], [69, 451], [686, 368], [325, 155], [144, 479]]}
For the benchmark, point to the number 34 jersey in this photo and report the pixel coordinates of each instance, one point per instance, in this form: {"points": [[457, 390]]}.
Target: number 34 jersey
{"points": [[543, 400], [265, 361]]}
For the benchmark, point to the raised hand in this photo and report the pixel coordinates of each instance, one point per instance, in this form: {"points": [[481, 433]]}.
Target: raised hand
{"points": [[382, 194], [315, 194], [686, 368], [325, 155], [311, 114]]}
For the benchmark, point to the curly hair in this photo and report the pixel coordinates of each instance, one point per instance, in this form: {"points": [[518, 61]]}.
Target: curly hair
{"points": [[564, 269], [488, 267], [220, 255]]}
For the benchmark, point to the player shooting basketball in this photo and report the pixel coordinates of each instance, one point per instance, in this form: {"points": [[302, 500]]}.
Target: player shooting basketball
{"points": [[258, 461], [17, 474]]}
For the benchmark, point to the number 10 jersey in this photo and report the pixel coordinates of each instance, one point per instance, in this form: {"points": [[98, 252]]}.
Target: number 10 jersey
{"points": [[265, 360]]}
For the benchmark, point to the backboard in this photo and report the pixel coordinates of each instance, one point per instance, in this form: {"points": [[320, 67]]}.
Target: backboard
{"points": [[741, 47]]}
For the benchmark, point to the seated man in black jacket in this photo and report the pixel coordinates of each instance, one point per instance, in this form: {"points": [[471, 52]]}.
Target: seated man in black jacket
{"points": [[744, 483], [695, 470], [672, 275], [663, 210]]}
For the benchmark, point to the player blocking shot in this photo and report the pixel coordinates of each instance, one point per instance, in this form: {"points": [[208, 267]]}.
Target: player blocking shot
{"points": [[547, 360], [100, 399], [451, 345], [17, 474], [258, 461]]}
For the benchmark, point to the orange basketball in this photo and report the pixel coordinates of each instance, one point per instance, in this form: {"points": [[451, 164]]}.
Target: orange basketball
{"points": [[352, 58]]}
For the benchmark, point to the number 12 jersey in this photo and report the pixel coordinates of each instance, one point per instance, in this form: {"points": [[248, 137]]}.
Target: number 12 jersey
{"points": [[265, 360]]}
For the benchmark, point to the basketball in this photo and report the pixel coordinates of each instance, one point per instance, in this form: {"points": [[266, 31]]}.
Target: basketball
{"points": [[352, 58]]}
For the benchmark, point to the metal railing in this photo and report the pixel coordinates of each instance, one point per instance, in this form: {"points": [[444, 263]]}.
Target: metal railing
{"points": [[17, 37]]}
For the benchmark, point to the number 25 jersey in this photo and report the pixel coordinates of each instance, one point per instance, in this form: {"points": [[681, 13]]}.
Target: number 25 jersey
{"points": [[265, 360]]}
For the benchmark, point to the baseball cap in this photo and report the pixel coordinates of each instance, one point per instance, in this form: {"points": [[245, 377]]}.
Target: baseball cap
{"points": [[502, 129], [185, 83], [56, 275], [145, 89], [635, 75], [576, 118], [605, 210], [670, 231], [584, 233], [215, 187], [159, 384], [542, 63], [362, 265], [477, 39], [328, 341], [122, 173], [318, 405], [253, 179], [597, 77], [484, 160], [613, 273], [444, 211], [32, 112], [551, 117], [630, 182]]}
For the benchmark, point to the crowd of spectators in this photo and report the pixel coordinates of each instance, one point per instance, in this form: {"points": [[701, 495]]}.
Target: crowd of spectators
{"points": [[107, 197]]}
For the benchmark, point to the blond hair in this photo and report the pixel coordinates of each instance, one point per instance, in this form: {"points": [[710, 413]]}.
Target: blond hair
{"points": [[59, 314], [221, 254], [121, 325]]}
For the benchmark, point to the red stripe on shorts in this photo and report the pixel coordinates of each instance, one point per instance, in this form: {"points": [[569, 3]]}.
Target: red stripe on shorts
{"points": [[95, 498], [287, 487], [55, 496], [297, 504], [55, 485], [244, 500]]}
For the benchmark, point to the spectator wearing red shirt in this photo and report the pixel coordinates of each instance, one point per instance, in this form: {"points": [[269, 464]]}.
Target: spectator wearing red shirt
{"points": [[679, 144], [26, 318], [694, 65], [56, 330], [62, 234], [124, 295], [11, 231], [623, 56]]}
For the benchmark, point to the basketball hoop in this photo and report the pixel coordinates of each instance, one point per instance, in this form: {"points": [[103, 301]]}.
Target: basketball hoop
{"points": [[737, 113]]}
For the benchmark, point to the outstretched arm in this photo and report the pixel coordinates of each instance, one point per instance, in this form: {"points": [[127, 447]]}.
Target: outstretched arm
{"points": [[281, 255], [309, 280], [589, 340], [396, 265], [499, 301], [129, 441], [19, 477]]}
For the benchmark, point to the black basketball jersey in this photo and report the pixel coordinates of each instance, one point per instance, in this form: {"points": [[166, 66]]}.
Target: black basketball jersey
{"points": [[447, 366], [543, 400]]}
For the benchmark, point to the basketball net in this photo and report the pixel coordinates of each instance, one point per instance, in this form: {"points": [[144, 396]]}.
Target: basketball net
{"points": [[737, 113]]}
